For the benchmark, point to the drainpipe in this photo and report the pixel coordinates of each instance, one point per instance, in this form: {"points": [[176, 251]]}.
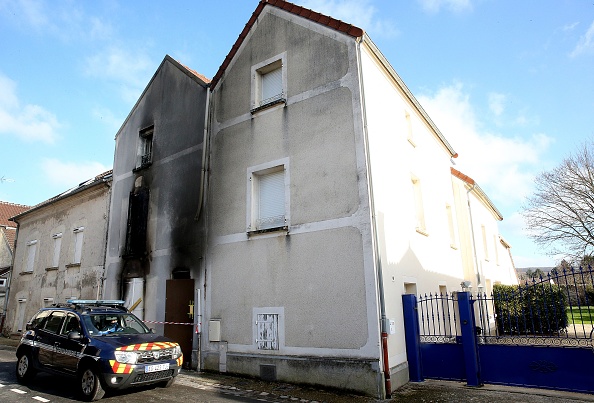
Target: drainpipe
{"points": [[204, 154], [378, 264], [8, 285], [478, 274]]}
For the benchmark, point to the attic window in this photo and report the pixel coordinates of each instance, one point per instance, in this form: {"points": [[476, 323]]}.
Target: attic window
{"points": [[145, 148], [269, 85]]}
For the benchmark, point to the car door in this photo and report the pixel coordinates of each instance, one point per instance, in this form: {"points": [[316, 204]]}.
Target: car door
{"points": [[67, 351], [46, 337]]}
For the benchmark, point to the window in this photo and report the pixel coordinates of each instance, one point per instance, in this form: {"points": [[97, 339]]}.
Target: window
{"points": [[57, 245], [145, 148], [419, 211], [31, 249], [268, 198], [495, 249], [2, 282], [71, 325], [54, 322], [269, 83], [138, 205], [267, 331], [78, 244], [485, 246], [409, 129], [451, 226]]}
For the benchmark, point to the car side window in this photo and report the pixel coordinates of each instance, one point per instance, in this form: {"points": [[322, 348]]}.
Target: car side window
{"points": [[54, 322], [38, 318], [71, 325]]}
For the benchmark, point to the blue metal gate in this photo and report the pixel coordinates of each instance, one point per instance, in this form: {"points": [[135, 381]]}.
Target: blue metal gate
{"points": [[534, 335]]}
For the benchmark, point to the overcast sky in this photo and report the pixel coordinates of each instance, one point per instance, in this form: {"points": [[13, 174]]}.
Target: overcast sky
{"points": [[509, 83]]}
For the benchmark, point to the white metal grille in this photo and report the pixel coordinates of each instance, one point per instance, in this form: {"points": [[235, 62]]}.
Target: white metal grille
{"points": [[267, 335]]}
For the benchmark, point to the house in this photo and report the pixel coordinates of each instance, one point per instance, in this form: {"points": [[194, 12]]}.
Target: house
{"points": [[155, 244], [60, 250], [7, 241], [271, 219]]}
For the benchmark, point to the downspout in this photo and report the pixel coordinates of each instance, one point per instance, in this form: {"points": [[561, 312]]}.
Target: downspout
{"points": [[378, 264], [103, 275], [478, 274], [204, 155], [8, 286]]}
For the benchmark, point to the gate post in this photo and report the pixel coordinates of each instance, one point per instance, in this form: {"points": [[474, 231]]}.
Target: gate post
{"points": [[469, 340], [412, 337]]}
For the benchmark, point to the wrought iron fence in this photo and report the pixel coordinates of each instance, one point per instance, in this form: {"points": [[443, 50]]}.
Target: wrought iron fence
{"points": [[555, 309]]}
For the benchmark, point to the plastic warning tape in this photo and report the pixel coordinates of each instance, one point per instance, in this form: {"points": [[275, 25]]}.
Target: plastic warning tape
{"points": [[168, 323]]}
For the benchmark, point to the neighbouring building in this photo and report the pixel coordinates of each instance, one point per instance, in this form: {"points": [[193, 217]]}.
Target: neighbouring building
{"points": [[8, 232], [60, 250]]}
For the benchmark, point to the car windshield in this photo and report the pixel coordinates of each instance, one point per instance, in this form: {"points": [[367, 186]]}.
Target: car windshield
{"points": [[108, 324]]}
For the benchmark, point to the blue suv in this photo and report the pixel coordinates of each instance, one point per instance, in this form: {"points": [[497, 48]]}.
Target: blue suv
{"points": [[101, 344]]}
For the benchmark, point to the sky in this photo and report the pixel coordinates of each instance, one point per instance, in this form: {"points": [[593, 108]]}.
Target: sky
{"points": [[509, 83]]}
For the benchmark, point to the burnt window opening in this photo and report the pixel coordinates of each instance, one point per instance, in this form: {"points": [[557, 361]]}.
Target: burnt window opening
{"points": [[137, 224], [145, 149]]}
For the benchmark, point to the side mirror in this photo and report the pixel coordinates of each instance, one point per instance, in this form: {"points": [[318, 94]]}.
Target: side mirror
{"points": [[29, 326], [74, 335]]}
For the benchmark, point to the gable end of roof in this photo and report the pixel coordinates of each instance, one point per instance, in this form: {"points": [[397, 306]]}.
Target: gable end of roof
{"points": [[300, 11]]}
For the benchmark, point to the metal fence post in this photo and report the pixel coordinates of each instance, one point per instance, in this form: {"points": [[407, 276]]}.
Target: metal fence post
{"points": [[469, 340], [412, 337]]}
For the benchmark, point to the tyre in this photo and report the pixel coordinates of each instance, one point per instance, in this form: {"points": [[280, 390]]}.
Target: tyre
{"points": [[24, 367], [89, 385], [167, 383]]}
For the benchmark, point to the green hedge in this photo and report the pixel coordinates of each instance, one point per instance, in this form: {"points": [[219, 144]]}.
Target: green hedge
{"points": [[539, 309]]}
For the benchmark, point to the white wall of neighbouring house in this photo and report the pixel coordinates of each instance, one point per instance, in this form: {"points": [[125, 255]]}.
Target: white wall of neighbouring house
{"points": [[412, 196]]}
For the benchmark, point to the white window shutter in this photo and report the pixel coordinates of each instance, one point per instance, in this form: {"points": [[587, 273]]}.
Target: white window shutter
{"points": [[271, 200], [272, 85]]}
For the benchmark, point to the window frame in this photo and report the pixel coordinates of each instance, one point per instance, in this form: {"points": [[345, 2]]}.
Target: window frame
{"points": [[253, 196], [258, 71], [78, 242], [420, 219], [146, 137], [29, 266]]}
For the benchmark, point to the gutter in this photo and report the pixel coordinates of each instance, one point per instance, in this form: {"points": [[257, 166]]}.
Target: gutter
{"points": [[383, 320]]}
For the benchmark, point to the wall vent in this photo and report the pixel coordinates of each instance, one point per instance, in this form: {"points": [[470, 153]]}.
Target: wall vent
{"points": [[268, 372]]}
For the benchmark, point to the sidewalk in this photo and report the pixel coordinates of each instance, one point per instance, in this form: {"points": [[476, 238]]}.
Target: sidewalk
{"points": [[430, 391]]}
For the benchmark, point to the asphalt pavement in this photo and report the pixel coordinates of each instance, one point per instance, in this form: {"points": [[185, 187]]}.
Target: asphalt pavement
{"points": [[430, 391]]}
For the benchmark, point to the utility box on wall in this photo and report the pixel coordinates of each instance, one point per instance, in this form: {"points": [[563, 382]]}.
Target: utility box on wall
{"points": [[214, 330]]}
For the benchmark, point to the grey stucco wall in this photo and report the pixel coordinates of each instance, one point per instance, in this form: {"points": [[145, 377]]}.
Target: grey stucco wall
{"points": [[317, 274]]}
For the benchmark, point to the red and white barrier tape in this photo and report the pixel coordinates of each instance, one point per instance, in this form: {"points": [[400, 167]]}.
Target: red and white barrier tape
{"points": [[167, 323]]}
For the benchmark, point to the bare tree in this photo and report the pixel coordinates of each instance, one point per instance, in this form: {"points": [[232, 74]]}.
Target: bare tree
{"points": [[560, 213]]}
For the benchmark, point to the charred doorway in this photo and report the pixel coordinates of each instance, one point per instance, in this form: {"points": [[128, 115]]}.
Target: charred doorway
{"points": [[179, 314]]}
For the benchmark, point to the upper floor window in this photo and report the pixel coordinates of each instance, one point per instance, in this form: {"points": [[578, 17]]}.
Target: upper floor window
{"points": [[419, 209], [145, 148], [57, 246], [78, 244], [269, 84], [31, 249], [268, 198], [409, 129]]}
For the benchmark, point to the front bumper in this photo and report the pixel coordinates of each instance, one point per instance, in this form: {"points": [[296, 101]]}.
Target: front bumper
{"points": [[121, 376]]}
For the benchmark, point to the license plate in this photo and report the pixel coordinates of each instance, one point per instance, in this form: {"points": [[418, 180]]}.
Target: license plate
{"points": [[156, 367]]}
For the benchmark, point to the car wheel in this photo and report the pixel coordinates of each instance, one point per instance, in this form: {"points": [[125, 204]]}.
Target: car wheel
{"points": [[24, 368], [89, 385], [167, 383]]}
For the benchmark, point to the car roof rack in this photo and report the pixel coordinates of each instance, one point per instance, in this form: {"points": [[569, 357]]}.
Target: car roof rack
{"points": [[112, 303]]}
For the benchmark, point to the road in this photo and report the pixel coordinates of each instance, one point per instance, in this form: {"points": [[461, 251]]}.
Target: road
{"points": [[55, 389]]}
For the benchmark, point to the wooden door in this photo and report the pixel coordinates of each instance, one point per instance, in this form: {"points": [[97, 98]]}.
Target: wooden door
{"points": [[179, 309]]}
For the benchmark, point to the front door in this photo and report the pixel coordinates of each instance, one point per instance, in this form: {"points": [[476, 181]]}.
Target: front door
{"points": [[179, 312]]}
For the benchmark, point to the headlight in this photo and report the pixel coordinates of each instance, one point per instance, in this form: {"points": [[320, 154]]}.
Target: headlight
{"points": [[176, 353], [126, 357]]}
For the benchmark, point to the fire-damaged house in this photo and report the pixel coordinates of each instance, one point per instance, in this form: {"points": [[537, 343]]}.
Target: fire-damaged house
{"points": [[271, 218]]}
